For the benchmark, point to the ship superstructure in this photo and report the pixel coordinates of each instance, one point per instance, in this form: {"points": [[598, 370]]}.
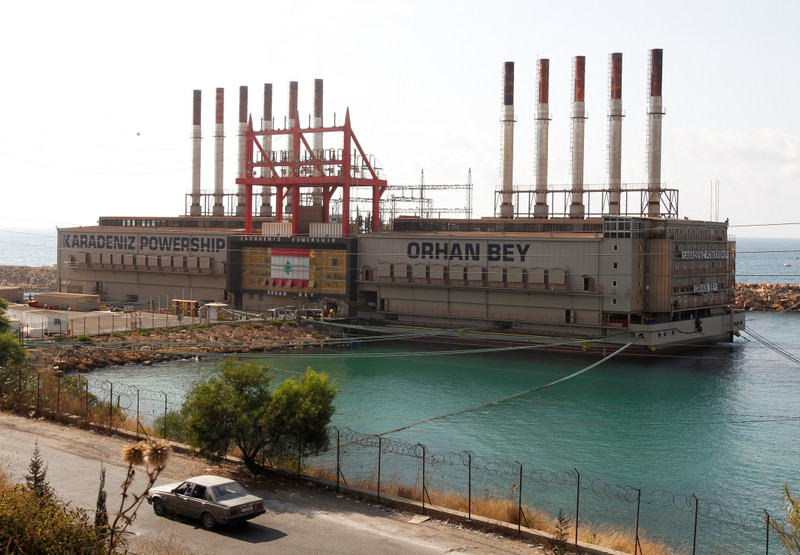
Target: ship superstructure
{"points": [[313, 223]]}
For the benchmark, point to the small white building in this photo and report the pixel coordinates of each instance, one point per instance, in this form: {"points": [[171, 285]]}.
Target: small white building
{"points": [[37, 322]]}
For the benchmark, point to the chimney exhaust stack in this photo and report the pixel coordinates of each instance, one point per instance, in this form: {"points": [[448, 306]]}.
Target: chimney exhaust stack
{"points": [[615, 115], [317, 192], [266, 125], [576, 208], [219, 139], [655, 113], [242, 132], [540, 209], [507, 170], [291, 125], [195, 209]]}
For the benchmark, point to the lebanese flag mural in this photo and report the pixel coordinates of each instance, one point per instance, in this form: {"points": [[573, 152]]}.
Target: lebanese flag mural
{"points": [[289, 267]]}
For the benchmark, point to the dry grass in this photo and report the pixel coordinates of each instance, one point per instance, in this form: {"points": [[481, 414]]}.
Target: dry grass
{"points": [[507, 510]]}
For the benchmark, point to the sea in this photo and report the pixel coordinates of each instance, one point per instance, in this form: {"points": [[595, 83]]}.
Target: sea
{"points": [[717, 426]]}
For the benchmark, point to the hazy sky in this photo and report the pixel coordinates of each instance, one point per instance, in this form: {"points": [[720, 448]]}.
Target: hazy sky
{"points": [[96, 97]]}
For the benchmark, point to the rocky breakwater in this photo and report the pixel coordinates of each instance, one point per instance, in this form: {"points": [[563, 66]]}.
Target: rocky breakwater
{"points": [[150, 346], [30, 278], [767, 296]]}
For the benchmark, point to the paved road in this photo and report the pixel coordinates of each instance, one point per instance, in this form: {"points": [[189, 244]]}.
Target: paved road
{"points": [[296, 521]]}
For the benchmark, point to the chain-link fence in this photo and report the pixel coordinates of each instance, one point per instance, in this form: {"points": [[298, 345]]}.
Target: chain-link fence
{"points": [[100, 323], [660, 520], [636, 519]]}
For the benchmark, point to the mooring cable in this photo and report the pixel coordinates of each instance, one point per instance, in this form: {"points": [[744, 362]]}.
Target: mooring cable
{"points": [[507, 398]]}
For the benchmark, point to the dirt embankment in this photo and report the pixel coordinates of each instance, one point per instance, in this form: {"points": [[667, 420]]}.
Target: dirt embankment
{"points": [[30, 278], [147, 347]]}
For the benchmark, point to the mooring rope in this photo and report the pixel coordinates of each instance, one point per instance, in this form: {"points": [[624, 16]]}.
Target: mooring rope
{"points": [[509, 397]]}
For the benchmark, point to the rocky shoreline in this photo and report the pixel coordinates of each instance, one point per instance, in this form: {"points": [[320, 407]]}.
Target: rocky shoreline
{"points": [[30, 278], [148, 347]]}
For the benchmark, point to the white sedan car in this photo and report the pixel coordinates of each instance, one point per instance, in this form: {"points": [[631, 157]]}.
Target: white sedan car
{"points": [[212, 499]]}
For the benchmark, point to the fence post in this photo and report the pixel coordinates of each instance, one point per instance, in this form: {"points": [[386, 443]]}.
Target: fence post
{"points": [[86, 400], [165, 415], [338, 467], [137, 411], [110, 404], [519, 503], [38, 391], [696, 510], [423, 476], [58, 397], [19, 388], [469, 485], [766, 519], [577, 505], [380, 451], [98, 324], [638, 506]]}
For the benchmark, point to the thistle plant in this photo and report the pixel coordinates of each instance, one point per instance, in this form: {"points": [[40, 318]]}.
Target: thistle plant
{"points": [[153, 456], [789, 532]]}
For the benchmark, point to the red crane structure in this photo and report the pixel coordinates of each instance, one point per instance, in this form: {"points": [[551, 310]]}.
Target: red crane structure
{"points": [[310, 170]]}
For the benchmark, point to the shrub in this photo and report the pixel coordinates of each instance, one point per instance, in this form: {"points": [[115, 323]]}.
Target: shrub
{"points": [[789, 533], [31, 524], [83, 338]]}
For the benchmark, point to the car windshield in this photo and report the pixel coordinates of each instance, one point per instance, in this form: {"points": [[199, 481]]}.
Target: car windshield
{"points": [[230, 490]]}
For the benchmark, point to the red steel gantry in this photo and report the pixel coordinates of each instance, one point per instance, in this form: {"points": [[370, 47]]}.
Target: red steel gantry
{"points": [[290, 184]]}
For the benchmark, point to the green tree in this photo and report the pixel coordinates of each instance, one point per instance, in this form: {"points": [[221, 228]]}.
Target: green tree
{"points": [[36, 479], [101, 511], [231, 407], [5, 327], [237, 407], [11, 352], [299, 412], [789, 532]]}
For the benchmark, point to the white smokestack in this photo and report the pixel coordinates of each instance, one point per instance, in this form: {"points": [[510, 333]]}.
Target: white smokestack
{"points": [[317, 192], [292, 122], [540, 209], [219, 139], [195, 209], [615, 116], [576, 208], [242, 136], [266, 125], [507, 169], [655, 113]]}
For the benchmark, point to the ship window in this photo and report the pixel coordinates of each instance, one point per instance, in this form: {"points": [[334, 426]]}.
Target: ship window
{"points": [[614, 265], [614, 283], [614, 301], [615, 247]]}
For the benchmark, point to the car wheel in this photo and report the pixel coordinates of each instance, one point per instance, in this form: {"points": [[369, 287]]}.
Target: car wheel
{"points": [[207, 520], [158, 507]]}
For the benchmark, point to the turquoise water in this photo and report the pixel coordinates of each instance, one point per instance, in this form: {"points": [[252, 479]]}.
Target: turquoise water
{"points": [[721, 423]]}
